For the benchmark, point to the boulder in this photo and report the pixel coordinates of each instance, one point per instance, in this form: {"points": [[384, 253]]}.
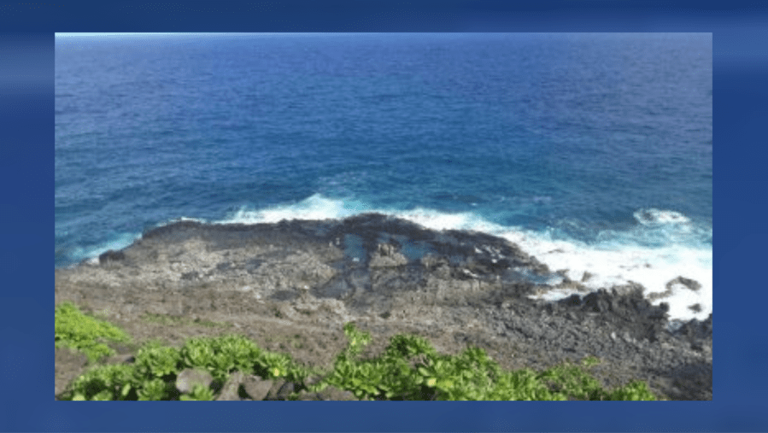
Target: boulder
{"points": [[285, 391], [229, 392], [328, 394], [256, 387], [188, 378], [275, 389], [386, 256], [687, 282], [335, 394]]}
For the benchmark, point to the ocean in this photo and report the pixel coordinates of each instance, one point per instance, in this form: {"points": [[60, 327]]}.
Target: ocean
{"points": [[593, 152]]}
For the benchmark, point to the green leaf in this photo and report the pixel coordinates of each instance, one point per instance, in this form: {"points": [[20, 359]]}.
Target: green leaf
{"points": [[105, 395], [154, 360], [126, 390], [153, 390]]}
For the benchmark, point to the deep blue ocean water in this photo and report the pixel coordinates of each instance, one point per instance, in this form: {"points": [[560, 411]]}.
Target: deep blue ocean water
{"points": [[591, 151]]}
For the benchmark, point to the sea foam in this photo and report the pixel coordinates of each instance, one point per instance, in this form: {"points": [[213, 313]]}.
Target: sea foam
{"points": [[663, 245]]}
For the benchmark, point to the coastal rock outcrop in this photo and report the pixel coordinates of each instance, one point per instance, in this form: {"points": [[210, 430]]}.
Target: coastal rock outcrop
{"points": [[292, 285]]}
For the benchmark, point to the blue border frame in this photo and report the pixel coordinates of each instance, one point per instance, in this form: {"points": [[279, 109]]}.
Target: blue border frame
{"points": [[27, 220]]}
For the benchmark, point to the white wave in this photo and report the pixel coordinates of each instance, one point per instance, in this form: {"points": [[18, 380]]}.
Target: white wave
{"points": [[315, 207], [613, 264], [665, 246], [437, 220], [656, 216], [199, 220], [619, 258]]}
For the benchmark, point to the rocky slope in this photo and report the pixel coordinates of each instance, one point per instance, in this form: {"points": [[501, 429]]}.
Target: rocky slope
{"points": [[290, 286]]}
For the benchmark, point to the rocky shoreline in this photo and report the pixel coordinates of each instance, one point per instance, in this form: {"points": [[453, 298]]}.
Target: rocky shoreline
{"points": [[291, 286]]}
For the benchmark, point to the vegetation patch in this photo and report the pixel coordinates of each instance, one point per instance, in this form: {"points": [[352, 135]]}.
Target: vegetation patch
{"points": [[84, 333], [411, 369], [152, 376], [408, 369]]}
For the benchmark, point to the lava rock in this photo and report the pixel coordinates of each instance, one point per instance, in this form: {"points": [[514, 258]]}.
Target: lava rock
{"points": [[386, 256], [690, 284], [111, 256]]}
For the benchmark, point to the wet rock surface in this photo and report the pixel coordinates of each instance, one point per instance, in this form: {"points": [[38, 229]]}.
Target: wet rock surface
{"points": [[292, 285]]}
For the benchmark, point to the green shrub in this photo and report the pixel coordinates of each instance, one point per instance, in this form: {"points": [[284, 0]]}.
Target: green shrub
{"points": [[357, 340], [198, 352], [409, 368], [273, 365], [86, 334], [636, 390], [221, 355], [407, 346], [572, 381], [237, 353], [105, 382], [154, 389], [361, 378], [522, 384], [154, 360]]}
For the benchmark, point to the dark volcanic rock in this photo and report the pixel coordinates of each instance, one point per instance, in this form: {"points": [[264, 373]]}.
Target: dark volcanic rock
{"points": [[292, 285], [623, 308], [111, 256], [695, 330], [687, 282]]}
